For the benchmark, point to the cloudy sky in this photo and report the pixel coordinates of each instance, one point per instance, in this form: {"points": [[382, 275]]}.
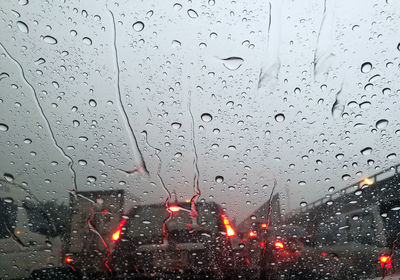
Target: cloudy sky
{"points": [[147, 96]]}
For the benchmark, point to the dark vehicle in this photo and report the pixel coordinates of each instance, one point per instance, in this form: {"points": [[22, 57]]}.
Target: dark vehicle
{"points": [[283, 250], [355, 234], [155, 241]]}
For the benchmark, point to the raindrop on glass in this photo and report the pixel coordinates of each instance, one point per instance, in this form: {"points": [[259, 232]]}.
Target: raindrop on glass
{"points": [[280, 117], [176, 125], [92, 103], [219, 179], [138, 26], [391, 156], [192, 13], [366, 151], [206, 117], [9, 177], [3, 127], [87, 41], [49, 40], [366, 67], [232, 63], [22, 27], [382, 123]]}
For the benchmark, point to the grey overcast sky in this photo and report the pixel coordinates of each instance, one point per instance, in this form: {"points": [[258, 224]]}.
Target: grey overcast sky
{"points": [[236, 93]]}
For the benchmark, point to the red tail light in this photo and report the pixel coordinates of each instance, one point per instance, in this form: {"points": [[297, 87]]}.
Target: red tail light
{"points": [[386, 261], [229, 230], [174, 209], [279, 245], [68, 260], [252, 233], [117, 233], [264, 225]]}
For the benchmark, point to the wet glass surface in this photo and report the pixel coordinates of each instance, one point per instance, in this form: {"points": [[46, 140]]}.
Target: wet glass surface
{"points": [[199, 139]]}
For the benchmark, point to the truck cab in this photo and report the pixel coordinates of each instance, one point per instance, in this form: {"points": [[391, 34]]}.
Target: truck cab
{"points": [[28, 238]]}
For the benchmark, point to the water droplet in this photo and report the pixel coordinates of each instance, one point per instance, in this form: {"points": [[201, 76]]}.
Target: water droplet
{"points": [[280, 117], [83, 138], [176, 125], [23, 2], [40, 61], [232, 63], [391, 156], [231, 188], [49, 40], [365, 105], [55, 84], [366, 67], [82, 162], [398, 47], [176, 44], [138, 26], [346, 177], [177, 6], [8, 200], [303, 204], [206, 117], [91, 179], [381, 123], [87, 41], [92, 103], [339, 156], [302, 183], [178, 155], [192, 13], [366, 151], [3, 127], [9, 177], [331, 189], [150, 13], [219, 179], [27, 141], [22, 27], [73, 32]]}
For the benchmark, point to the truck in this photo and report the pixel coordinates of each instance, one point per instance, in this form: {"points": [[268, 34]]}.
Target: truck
{"points": [[29, 240], [94, 216]]}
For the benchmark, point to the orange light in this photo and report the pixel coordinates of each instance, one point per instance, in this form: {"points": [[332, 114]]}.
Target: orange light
{"points": [[279, 245], [174, 209], [228, 228], [367, 181], [68, 260], [264, 225], [385, 261], [117, 233], [252, 233]]}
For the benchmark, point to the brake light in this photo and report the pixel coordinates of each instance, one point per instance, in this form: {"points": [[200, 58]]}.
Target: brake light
{"points": [[385, 261], [228, 228], [68, 260], [264, 225], [252, 233], [117, 233], [278, 245], [174, 209]]}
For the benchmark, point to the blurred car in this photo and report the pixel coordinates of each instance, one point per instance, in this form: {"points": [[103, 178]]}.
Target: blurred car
{"points": [[28, 238], [283, 249], [154, 241]]}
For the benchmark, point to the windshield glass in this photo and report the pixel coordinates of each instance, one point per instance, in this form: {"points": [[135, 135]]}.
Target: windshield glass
{"points": [[214, 139]]}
